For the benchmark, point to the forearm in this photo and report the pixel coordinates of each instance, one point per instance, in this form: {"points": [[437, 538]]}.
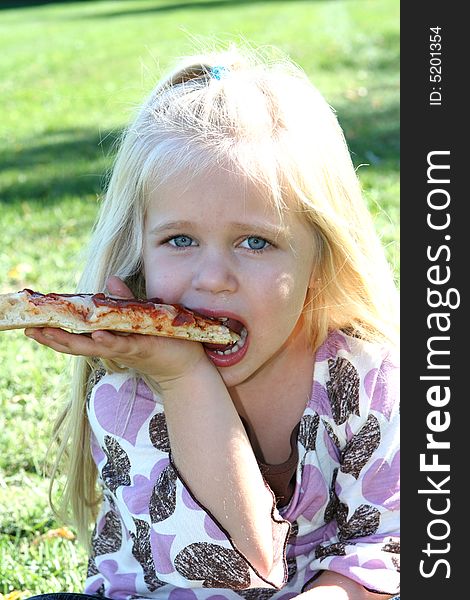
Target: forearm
{"points": [[334, 586], [212, 452]]}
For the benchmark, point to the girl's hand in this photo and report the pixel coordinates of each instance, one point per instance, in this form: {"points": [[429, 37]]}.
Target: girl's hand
{"points": [[164, 360]]}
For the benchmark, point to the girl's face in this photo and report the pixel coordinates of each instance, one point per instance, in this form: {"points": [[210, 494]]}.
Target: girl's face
{"points": [[216, 246]]}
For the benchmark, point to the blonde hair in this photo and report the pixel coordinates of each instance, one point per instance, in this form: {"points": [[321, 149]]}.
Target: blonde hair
{"points": [[264, 120]]}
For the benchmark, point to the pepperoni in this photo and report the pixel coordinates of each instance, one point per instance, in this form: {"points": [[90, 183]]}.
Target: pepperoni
{"points": [[102, 300], [183, 318]]}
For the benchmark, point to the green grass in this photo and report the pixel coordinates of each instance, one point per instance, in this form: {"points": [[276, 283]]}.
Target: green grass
{"points": [[71, 74]]}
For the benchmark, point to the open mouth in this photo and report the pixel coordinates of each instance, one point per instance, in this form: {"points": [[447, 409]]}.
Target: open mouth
{"points": [[237, 327], [233, 350]]}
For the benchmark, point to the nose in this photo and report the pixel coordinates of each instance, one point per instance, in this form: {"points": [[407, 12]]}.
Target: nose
{"points": [[215, 274]]}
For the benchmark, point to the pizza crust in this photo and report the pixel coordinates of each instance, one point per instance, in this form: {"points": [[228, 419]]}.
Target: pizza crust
{"points": [[92, 312]]}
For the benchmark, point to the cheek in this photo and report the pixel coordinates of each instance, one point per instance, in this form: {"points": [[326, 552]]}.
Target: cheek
{"points": [[285, 286], [162, 282], [290, 290], [279, 309], [281, 303]]}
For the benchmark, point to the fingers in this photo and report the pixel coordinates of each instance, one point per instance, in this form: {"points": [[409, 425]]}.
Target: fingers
{"points": [[116, 287], [159, 358], [62, 341], [100, 343]]}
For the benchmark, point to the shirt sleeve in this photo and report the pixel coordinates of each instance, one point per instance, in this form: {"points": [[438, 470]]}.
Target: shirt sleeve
{"points": [[208, 553], [151, 526], [362, 515]]}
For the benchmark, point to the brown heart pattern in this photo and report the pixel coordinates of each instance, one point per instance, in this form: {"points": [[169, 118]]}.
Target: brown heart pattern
{"points": [[360, 448], [92, 569], [158, 432], [331, 434], [308, 431], [343, 389], [97, 373], [364, 521], [163, 498], [117, 468], [332, 506], [214, 565], [142, 552], [109, 539], [392, 546], [338, 549]]}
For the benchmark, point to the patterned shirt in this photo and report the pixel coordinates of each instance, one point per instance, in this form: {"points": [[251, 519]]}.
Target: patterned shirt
{"points": [[154, 539]]}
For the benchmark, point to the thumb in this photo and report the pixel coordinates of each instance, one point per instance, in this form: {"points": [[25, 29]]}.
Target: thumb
{"points": [[117, 288]]}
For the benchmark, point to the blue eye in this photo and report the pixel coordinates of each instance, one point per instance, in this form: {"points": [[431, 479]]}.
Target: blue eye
{"points": [[181, 241], [256, 243]]}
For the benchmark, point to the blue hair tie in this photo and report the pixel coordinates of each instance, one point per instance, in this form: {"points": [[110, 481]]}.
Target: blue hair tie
{"points": [[218, 72]]}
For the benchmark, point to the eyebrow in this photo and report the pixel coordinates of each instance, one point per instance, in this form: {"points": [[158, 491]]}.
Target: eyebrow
{"points": [[272, 231]]}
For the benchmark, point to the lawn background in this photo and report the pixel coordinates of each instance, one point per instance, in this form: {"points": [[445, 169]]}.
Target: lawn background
{"points": [[71, 74]]}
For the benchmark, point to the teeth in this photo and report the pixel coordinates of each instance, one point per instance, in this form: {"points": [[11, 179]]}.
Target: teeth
{"points": [[237, 346]]}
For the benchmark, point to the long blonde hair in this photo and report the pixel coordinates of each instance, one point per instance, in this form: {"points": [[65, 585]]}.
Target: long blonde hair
{"points": [[264, 120]]}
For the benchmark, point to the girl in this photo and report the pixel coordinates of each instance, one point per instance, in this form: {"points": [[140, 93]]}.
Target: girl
{"points": [[267, 469]]}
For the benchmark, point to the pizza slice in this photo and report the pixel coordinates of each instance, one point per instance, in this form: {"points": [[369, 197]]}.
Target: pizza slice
{"points": [[90, 312]]}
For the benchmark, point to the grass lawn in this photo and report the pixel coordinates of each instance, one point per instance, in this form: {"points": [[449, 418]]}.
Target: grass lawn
{"points": [[71, 73]]}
